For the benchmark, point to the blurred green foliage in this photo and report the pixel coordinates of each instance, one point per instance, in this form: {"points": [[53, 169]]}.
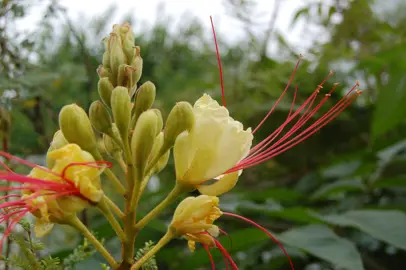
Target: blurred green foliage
{"points": [[336, 201]]}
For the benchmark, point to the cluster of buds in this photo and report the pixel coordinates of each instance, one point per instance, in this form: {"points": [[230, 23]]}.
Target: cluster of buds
{"points": [[210, 151]]}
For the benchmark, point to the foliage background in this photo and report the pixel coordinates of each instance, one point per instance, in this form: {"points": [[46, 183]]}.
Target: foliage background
{"points": [[337, 201]]}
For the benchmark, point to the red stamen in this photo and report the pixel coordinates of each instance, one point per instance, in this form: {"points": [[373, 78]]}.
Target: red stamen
{"points": [[281, 96], [265, 231], [223, 98], [264, 153], [229, 237], [213, 266], [225, 254]]}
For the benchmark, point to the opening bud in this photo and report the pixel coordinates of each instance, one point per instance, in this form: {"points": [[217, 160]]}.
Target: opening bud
{"points": [[76, 127], [143, 138], [105, 88], [137, 64], [100, 118], [181, 118], [121, 107], [57, 142], [144, 99]]}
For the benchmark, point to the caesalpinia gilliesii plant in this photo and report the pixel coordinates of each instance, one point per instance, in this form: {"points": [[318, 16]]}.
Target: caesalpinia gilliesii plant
{"points": [[210, 151]]}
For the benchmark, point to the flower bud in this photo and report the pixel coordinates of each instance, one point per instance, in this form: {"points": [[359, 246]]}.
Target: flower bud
{"points": [[76, 127], [100, 118], [181, 118], [106, 60], [105, 88], [145, 98], [160, 122], [104, 72], [137, 63], [121, 107], [117, 56], [112, 148], [129, 50], [143, 138], [163, 160], [125, 75]]}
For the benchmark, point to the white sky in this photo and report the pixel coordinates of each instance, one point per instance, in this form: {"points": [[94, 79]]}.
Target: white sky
{"points": [[226, 26]]}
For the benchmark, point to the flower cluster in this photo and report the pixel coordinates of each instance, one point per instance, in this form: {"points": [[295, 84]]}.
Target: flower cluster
{"points": [[210, 151]]}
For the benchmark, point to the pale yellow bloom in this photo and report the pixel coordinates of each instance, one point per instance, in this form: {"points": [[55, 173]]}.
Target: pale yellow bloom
{"points": [[85, 178], [193, 219], [215, 144]]}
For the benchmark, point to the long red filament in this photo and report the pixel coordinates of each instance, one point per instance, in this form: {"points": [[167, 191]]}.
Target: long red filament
{"points": [[225, 254], [213, 266], [262, 152], [265, 231], [229, 237], [223, 97]]}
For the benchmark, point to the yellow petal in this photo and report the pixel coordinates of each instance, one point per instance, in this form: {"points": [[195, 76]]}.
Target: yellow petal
{"points": [[224, 184], [42, 227]]}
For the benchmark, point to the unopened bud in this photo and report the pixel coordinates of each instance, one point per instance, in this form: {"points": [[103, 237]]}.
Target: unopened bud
{"points": [[143, 138], [117, 56], [137, 63], [106, 60], [104, 72], [181, 118], [112, 148], [121, 108], [156, 150], [129, 50], [160, 121], [76, 127], [144, 99], [100, 118], [105, 88]]}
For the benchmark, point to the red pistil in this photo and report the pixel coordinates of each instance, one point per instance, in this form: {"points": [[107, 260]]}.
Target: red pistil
{"points": [[265, 231], [223, 97]]}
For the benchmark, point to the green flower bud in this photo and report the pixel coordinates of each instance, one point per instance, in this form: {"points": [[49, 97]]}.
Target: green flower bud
{"points": [[160, 121], [181, 118], [129, 50], [100, 118], [76, 127], [112, 148], [143, 138], [163, 160], [104, 72], [125, 75], [137, 63], [144, 99], [121, 108], [105, 89], [106, 60], [117, 56]]}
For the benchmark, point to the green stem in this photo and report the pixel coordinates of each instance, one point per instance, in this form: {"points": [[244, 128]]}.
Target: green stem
{"points": [[172, 196], [116, 182], [127, 252], [144, 183], [78, 225], [104, 208], [162, 242], [137, 188], [113, 207]]}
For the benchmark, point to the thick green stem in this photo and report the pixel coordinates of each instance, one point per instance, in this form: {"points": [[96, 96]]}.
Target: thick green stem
{"points": [[177, 191], [162, 242], [127, 252], [136, 192], [78, 225], [105, 209]]}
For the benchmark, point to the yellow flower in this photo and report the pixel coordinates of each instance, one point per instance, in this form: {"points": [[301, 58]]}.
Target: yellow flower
{"points": [[193, 219], [215, 144], [68, 164]]}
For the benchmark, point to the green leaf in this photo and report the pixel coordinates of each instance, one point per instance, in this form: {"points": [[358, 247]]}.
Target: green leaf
{"points": [[338, 187], [323, 243], [390, 110], [388, 226]]}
